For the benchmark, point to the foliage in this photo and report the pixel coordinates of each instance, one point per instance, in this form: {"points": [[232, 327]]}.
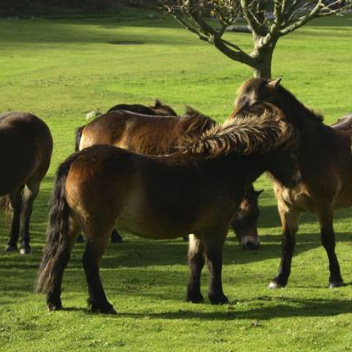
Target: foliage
{"points": [[62, 69]]}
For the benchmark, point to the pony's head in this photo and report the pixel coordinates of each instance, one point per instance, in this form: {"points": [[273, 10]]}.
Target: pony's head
{"points": [[245, 224], [163, 110], [256, 90]]}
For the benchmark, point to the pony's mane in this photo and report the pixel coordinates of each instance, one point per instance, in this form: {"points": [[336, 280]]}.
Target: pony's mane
{"points": [[256, 84], [196, 121], [310, 113], [258, 131]]}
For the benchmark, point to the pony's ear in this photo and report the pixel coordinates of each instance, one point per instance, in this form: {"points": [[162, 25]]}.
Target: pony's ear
{"points": [[275, 84], [157, 103]]}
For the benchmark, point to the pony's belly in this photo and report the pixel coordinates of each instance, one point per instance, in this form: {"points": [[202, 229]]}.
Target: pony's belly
{"points": [[143, 223], [150, 229]]}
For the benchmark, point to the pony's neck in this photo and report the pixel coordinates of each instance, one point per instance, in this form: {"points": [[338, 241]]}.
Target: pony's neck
{"points": [[233, 170], [295, 111]]}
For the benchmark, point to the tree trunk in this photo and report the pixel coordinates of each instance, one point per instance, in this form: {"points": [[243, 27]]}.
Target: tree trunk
{"points": [[263, 56]]}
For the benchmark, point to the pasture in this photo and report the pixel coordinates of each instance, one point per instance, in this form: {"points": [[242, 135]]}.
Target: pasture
{"points": [[62, 68]]}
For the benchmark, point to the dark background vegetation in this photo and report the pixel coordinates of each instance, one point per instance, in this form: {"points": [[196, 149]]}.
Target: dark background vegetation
{"points": [[43, 7]]}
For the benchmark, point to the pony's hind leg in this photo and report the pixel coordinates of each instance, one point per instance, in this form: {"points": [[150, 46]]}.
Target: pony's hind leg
{"points": [[289, 220], [214, 247], [53, 297], [30, 193], [196, 263], [328, 241], [15, 204], [94, 251]]}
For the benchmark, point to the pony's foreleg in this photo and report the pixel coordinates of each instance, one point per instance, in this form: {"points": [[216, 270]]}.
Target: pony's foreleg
{"points": [[328, 241], [289, 220], [95, 249], [196, 263], [30, 193], [214, 246], [15, 204]]}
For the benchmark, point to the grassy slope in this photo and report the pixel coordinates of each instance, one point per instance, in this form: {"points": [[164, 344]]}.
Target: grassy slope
{"points": [[61, 69]]}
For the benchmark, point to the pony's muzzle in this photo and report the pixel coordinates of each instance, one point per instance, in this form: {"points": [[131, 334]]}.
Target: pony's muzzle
{"points": [[250, 242]]}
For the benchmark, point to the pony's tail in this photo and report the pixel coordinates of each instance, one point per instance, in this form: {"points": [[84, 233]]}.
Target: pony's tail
{"points": [[57, 249], [79, 132]]}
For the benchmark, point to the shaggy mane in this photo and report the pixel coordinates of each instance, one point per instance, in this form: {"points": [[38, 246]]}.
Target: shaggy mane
{"points": [[196, 121], [259, 131]]}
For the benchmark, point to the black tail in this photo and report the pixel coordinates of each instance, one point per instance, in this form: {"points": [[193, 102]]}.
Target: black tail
{"points": [[57, 247], [78, 137]]}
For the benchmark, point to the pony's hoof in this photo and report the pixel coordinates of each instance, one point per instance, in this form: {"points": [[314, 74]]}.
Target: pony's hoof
{"points": [[110, 311], [218, 299], [25, 250], [335, 284], [274, 285], [195, 298], [104, 309], [52, 307], [10, 248]]}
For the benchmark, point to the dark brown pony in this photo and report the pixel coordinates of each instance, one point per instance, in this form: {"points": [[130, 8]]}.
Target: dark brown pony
{"points": [[196, 190], [326, 166], [25, 152], [109, 129], [155, 135], [158, 109]]}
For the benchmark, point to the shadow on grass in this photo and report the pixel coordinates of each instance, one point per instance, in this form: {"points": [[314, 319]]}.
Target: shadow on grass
{"points": [[274, 308]]}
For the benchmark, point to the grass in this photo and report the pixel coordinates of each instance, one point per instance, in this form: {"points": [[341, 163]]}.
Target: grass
{"points": [[60, 69]]}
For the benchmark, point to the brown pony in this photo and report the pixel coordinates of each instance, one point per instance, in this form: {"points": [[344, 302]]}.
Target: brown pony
{"points": [[155, 135], [25, 152], [326, 165], [196, 190]]}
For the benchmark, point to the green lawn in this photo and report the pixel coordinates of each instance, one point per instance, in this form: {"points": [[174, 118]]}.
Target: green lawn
{"points": [[60, 69]]}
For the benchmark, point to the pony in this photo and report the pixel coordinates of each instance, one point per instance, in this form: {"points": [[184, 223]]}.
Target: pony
{"points": [[193, 191], [154, 135], [25, 152], [159, 109], [325, 162]]}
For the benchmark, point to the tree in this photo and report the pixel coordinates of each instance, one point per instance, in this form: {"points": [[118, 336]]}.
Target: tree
{"points": [[266, 20]]}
